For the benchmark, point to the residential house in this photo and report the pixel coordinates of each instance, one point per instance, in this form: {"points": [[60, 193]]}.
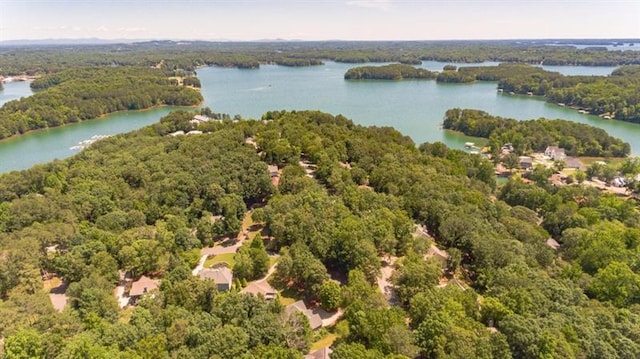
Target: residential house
{"points": [[223, 277], [572, 162], [525, 162], [618, 182], [439, 254], [322, 353], [260, 288], [553, 243], [555, 153], [315, 321], [274, 174], [142, 286], [507, 148], [198, 119]]}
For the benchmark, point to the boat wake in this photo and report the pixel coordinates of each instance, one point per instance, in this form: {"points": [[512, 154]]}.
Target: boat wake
{"points": [[86, 143]]}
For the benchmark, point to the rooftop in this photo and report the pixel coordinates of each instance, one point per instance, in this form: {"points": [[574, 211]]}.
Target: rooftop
{"points": [[218, 275], [315, 321], [143, 285]]}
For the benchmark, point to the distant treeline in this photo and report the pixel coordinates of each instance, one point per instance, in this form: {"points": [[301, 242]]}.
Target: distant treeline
{"points": [[173, 56], [82, 94], [388, 72], [535, 135]]}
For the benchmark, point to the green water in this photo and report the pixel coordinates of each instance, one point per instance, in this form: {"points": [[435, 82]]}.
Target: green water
{"points": [[415, 108], [46, 145], [14, 90]]}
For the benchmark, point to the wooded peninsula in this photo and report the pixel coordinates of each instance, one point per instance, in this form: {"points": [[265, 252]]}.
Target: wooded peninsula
{"points": [[535, 135], [86, 93]]}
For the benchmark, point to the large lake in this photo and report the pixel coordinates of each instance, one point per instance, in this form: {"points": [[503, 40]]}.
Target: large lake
{"points": [[415, 108]]}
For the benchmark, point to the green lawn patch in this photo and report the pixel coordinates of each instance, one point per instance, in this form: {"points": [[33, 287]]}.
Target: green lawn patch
{"points": [[226, 257], [324, 342]]}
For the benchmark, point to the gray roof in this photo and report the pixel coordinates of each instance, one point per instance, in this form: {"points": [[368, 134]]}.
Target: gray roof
{"points": [[218, 275], [315, 321]]}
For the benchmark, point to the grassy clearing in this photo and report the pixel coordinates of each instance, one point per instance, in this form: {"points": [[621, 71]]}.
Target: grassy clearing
{"points": [[287, 295], [125, 315], [286, 300], [51, 283], [324, 342], [226, 257], [588, 161]]}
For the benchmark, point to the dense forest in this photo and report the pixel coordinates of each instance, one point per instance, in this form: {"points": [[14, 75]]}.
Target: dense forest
{"points": [[616, 96], [145, 202], [86, 93], [535, 135], [171, 55], [388, 72]]}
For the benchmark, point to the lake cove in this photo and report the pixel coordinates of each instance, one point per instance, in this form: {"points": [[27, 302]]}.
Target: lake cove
{"points": [[14, 90], [416, 107]]}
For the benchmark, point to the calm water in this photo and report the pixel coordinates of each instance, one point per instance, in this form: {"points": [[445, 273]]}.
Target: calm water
{"points": [[416, 108], [14, 90]]}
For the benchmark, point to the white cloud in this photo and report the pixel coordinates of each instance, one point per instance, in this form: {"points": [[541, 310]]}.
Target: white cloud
{"points": [[132, 29], [51, 28], [372, 4], [102, 29]]}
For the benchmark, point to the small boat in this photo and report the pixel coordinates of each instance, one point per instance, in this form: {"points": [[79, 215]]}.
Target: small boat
{"points": [[469, 144]]}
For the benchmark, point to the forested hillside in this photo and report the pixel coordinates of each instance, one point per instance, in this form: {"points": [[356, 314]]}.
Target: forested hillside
{"points": [[87, 93], [145, 202]]}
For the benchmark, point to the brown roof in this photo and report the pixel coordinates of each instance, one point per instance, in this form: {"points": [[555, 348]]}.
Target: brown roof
{"points": [[143, 285], [553, 243], [315, 321], [437, 252], [322, 353], [218, 275], [263, 288], [273, 170]]}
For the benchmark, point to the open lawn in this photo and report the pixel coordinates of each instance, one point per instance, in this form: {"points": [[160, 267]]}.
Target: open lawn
{"points": [[287, 295], [324, 342], [225, 257], [51, 283], [588, 161]]}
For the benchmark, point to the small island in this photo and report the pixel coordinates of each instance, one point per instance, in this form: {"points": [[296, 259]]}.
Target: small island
{"points": [[388, 72]]}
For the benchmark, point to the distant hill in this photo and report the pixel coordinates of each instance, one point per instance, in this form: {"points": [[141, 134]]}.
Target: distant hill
{"points": [[87, 41]]}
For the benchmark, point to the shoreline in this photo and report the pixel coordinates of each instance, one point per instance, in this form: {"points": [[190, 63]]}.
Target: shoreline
{"points": [[101, 117]]}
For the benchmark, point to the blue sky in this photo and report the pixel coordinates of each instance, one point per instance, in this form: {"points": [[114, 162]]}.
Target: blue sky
{"points": [[319, 20]]}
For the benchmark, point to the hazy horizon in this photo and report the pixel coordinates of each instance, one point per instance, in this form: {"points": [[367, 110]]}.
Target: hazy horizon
{"points": [[347, 20]]}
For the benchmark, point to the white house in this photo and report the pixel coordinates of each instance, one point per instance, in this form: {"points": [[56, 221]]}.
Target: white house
{"points": [[555, 153]]}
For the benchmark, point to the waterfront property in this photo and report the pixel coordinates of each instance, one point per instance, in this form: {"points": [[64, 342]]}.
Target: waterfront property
{"points": [[555, 153]]}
